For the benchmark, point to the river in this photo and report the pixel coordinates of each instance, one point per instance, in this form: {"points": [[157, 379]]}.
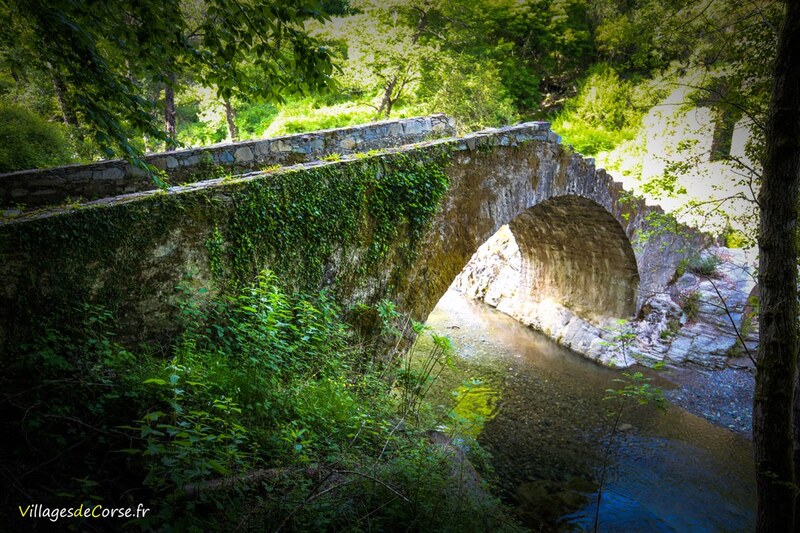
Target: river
{"points": [[540, 411]]}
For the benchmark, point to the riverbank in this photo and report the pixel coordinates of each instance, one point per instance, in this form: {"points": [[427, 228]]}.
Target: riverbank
{"points": [[723, 397]]}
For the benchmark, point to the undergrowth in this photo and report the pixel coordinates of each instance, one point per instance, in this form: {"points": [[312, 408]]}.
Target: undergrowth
{"points": [[268, 413]]}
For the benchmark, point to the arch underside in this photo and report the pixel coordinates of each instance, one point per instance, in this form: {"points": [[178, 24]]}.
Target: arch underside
{"points": [[576, 254]]}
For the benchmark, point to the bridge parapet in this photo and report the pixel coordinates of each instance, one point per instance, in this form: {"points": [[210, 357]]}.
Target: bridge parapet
{"points": [[36, 188]]}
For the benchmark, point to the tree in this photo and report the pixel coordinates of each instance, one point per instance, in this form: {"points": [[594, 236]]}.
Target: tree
{"points": [[776, 429], [383, 48], [101, 53]]}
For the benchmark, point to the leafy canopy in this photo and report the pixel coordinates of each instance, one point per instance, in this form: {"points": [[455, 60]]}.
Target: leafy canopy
{"points": [[105, 52]]}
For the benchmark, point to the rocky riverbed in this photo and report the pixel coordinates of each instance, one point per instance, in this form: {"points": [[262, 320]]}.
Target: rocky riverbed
{"points": [[723, 397]]}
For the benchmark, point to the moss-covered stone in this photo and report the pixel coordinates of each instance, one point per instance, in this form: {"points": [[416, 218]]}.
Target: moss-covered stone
{"points": [[306, 224]]}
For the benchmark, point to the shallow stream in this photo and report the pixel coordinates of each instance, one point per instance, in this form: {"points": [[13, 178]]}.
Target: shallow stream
{"points": [[540, 410]]}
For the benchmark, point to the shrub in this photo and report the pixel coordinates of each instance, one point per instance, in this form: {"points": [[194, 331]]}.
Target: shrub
{"points": [[303, 116], [471, 92], [607, 111], [262, 387], [704, 265], [691, 304], [28, 141]]}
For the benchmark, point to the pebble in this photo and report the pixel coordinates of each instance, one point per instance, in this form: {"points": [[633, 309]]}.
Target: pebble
{"points": [[723, 397]]}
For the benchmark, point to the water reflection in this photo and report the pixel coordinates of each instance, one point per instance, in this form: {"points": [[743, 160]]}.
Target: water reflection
{"points": [[539, 410]]}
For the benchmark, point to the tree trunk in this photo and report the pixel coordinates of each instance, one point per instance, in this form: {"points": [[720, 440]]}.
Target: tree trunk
{"points": [[67, 112], [169, 110], [230, 118], [388, 101], [775, 435]]}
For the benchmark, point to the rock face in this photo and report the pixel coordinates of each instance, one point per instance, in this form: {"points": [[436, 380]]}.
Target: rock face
{"points": [[719, 325], [698, 318]]}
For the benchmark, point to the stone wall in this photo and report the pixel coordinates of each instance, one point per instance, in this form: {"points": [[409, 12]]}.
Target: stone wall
{"points": [[132, 253], [36, 188]]}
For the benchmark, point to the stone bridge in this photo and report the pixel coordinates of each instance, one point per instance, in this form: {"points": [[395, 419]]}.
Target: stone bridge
{"points": [[399, 223]]}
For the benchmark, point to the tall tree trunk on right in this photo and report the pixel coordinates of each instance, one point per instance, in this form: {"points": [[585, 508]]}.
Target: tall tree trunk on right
{"points": [[775, 433], [169, 109]]}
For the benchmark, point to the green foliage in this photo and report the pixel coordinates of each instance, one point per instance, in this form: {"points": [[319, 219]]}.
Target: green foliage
{"points": [[606, 111], [296, 219], [638, 387], [539, 47], [262, 411], [673, 326], [471, 92], [703, 264], [201, 117], [690, 303], [660, 226], [737, 239], [101, 59], [298, 120], [632, 386], [254, 119], [640, 35], [417, 375], [27, 141], [68, 393]]}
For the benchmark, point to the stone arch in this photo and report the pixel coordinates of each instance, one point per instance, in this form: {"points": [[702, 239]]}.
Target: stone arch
{"points": [[575, 253]]}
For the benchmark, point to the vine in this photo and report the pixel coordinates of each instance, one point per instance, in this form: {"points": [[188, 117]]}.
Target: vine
{"points": [[358, 215], [296, 221]]}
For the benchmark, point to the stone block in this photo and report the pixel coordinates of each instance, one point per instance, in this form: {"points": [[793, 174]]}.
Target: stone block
{"points": [[371, 134], [226, 157], [413, 127], [45, 192], [172, 162], [316, 145], [243, 154], [347, 144], [281, 145], [134, 171], [262, 148], [111, 174], [301, 147]]}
